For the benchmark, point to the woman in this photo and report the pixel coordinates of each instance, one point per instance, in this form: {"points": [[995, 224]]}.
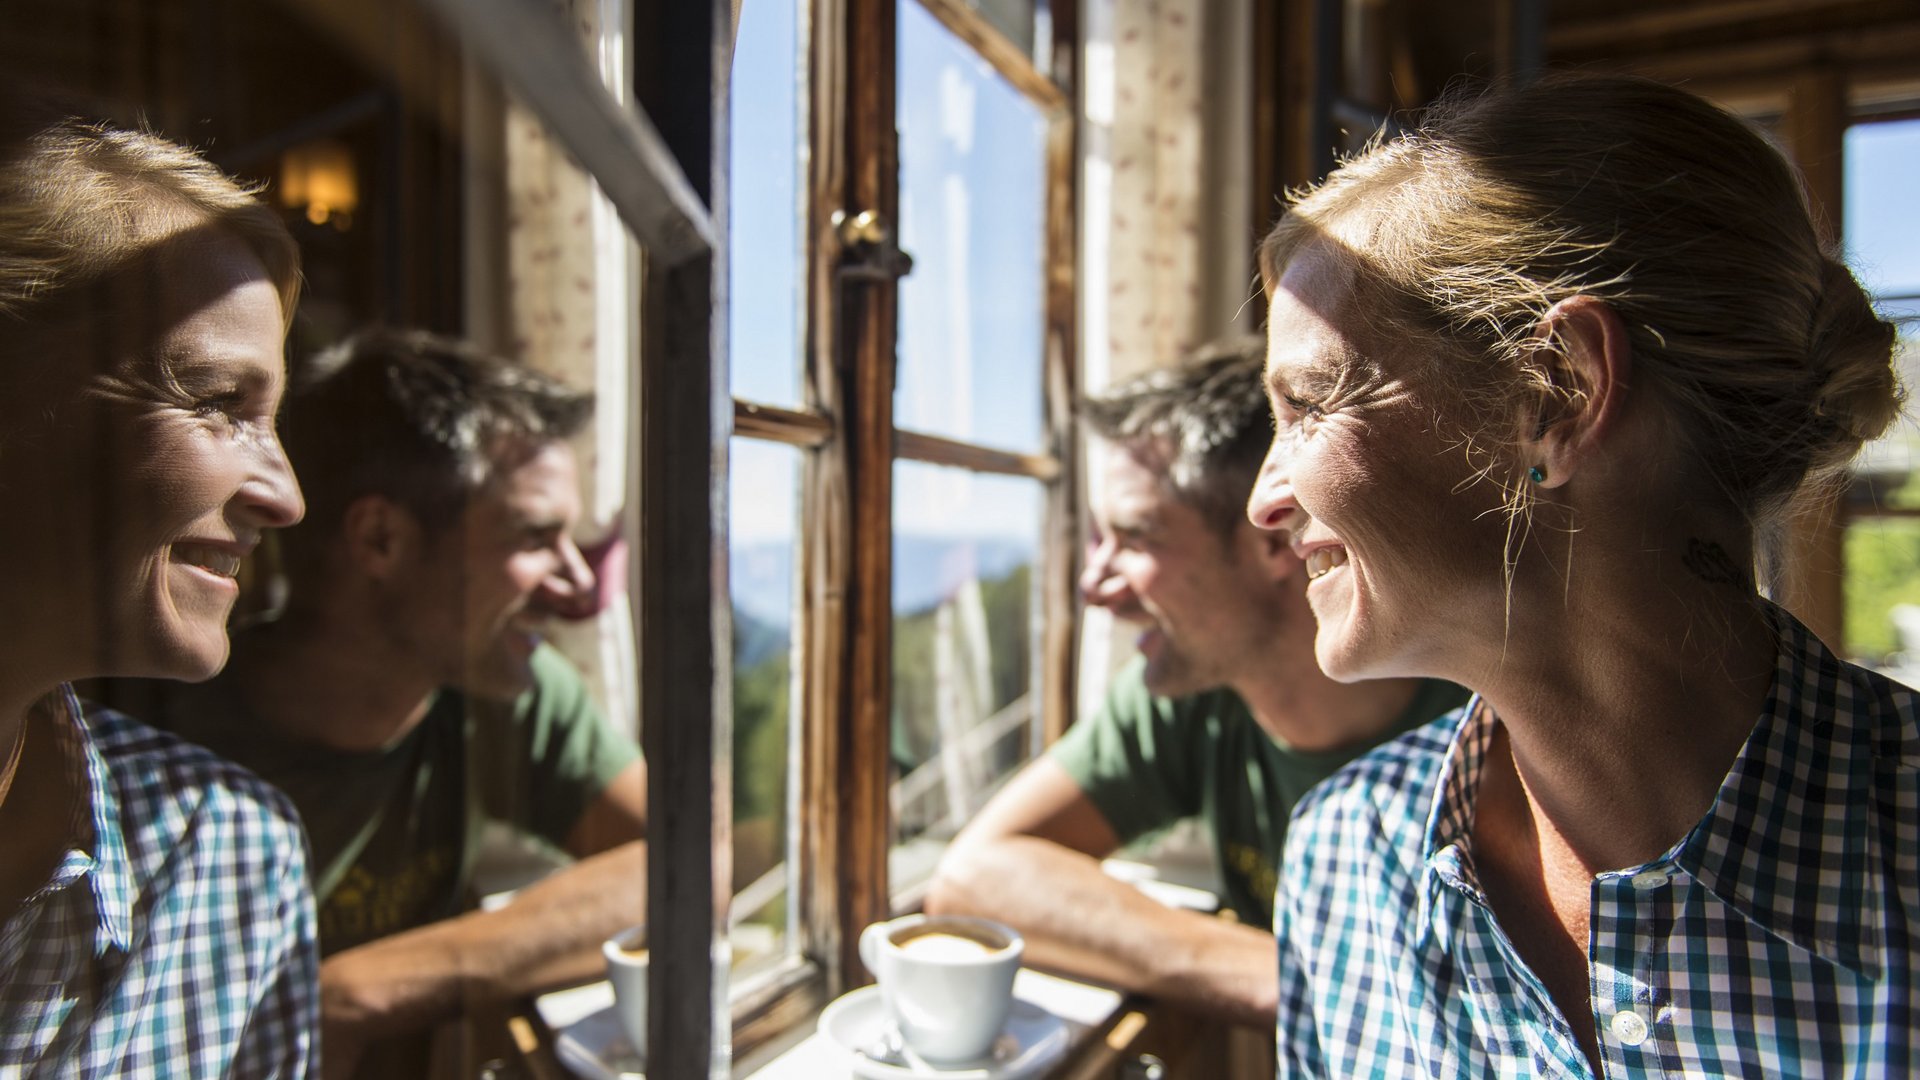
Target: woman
{"points": [[156, 915], [1545, 374]]}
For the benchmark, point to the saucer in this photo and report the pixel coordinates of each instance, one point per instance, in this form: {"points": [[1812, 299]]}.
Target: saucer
{"points": [[596, 1048], [1032, 1040]]}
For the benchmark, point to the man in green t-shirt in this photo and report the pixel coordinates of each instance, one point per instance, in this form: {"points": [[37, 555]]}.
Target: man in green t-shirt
{"points": [[1225, 715], [404, 698]]}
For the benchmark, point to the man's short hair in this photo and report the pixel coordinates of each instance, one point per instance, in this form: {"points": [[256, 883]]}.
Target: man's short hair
{"points": [[1208, 415], [420, 419]]}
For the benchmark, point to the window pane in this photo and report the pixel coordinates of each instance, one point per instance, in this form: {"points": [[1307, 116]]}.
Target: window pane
{"points": [[764, 264], [965, 550], [1882, 223], [1883, 595], [972, 215], [1883, 248], [1886, 476], [388, 151], [764, 485]]}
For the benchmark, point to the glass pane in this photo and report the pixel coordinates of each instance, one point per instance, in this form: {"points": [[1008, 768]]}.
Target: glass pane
{"points": [[965, 550], [1886, 476], [761, 523], [764, 267], [972, 215], [1882, 222], [487, 735], [1883, 247], [1883, 595]]}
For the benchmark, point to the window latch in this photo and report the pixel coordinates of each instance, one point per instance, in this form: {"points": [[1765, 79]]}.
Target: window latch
{"points": [[870, 252]]}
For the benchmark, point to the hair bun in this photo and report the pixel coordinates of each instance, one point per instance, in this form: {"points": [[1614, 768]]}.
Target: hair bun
{"points": [[1850, 351]]}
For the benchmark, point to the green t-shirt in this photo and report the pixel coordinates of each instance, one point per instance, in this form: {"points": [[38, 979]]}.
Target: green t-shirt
{"points": [[394, 831], [1147, 762]]}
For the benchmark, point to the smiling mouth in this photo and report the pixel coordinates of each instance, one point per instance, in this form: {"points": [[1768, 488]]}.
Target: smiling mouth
{"points": [[224, 564], [1321, 561]]}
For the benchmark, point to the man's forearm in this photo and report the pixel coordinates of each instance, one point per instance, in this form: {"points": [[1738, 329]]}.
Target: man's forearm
{"points": [[1078, 920], [551, 932]]}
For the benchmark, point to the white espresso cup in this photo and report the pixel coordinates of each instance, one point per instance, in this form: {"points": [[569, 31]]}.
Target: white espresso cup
{"points": [[626, 954], [946, 981]]}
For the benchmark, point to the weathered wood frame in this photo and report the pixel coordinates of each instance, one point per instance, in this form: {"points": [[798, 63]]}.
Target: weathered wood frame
{"points": [[845, 428]]}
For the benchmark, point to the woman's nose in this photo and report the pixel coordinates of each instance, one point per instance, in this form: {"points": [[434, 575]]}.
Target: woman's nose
{"points": [[272, 494], [1271, 502]]}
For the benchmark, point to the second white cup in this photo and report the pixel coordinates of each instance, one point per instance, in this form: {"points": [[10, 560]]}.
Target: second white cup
{"points": [[626, 954], [946, 981]]}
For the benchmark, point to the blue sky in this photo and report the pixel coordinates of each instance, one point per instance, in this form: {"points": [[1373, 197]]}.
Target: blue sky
{"points": [[972, 215], [1882, 215]]}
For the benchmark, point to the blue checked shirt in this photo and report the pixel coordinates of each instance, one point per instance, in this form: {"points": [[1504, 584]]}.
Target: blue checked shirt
{"points": [[1776, 939], [175, 938]]}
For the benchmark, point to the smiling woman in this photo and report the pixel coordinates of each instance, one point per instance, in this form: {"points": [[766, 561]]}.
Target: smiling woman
{"points": [[1545, 373], [143, 303]]}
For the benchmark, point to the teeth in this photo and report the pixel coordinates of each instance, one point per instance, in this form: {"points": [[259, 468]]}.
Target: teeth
{"points": [[1322, 560], [223, 563]]}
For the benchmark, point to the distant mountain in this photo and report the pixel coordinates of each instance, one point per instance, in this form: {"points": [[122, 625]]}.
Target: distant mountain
{"points": [[755, 640], [926, 570]]}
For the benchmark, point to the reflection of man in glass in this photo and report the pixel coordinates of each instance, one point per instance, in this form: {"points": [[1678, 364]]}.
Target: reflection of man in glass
{"points": [[404, 698], [1224, 716]]}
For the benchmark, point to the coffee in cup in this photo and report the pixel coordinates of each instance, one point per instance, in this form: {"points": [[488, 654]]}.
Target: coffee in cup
{"points": [[946, 981]]}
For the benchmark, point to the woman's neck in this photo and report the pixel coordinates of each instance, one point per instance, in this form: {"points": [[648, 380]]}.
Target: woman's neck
{"points": [[1625, 703]]}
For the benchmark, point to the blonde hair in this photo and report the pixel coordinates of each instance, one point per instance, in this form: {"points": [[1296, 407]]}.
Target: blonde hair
{"points": [[81, 203], [1764, 349]]}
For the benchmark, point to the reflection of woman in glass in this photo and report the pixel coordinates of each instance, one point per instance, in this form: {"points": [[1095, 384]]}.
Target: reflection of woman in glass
{"points": [[156, 914], [1545, 372]]}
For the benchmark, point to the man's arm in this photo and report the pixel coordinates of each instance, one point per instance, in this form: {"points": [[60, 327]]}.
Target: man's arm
{"points": [[1031, 860], [549, 935]]}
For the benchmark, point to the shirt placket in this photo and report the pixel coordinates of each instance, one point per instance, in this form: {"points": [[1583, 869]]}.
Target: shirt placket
{"points": [[1632, 1018]]}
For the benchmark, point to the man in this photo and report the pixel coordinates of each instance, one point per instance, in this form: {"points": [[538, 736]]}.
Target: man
{"points": [[404, 697], [1224, 715]]}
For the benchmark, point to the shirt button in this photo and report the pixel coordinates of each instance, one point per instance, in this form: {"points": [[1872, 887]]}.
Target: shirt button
{"points": [[1649, 879], [1629, 1027]]}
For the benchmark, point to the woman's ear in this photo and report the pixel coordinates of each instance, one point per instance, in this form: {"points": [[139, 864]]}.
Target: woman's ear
{"points": [[1586, 360]]}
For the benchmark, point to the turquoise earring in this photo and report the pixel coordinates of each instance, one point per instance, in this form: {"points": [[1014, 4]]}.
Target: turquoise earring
{"points": [[1537, 474]]}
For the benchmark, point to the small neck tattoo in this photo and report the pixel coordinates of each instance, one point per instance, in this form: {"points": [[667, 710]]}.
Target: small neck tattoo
{"points": [[1710, 563]]}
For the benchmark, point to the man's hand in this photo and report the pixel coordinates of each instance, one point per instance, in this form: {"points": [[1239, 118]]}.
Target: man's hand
{"points": [[1031, 860], [548, 936]]}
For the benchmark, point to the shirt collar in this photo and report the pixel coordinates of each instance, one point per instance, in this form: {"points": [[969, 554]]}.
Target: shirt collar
{"points": [[1449, 833], [1789, 840], [96, 846]]}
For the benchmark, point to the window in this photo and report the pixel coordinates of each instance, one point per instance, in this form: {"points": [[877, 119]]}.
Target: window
{"points": [[1883, 506], [972, 345], [901, 600], [765, 270]]}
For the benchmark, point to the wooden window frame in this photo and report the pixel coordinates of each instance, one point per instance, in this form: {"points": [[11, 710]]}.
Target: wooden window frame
{"points": [[844, 428], [668, 182]]}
